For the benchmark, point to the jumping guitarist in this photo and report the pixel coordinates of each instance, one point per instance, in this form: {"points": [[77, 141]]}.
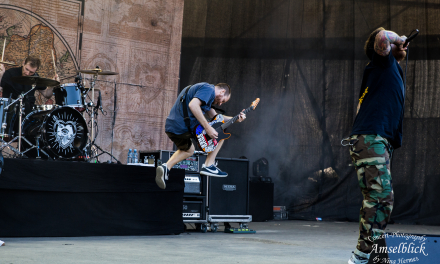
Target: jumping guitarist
{"points": [[187, 112]]}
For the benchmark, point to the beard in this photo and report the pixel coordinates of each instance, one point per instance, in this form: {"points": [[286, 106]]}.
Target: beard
{"points": [[399, 55]]}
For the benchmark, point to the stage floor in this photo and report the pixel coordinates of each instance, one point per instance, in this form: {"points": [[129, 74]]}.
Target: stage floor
{"points": [[275, 242]]}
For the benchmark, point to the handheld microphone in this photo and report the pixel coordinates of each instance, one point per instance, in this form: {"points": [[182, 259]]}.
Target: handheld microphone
{"points": [[411, 37]]}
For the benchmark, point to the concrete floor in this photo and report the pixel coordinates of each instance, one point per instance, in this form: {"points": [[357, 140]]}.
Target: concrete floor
{"points": [[275, 242]]}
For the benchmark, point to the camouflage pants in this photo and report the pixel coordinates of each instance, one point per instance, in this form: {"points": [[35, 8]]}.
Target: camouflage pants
{"points": [[371, 157]]}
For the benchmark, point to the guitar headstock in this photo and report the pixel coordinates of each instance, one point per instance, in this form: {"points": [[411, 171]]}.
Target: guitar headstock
{"points": [[255, 103]]}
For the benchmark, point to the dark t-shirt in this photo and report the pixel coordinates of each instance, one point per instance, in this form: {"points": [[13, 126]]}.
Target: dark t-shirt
{"points": [[382, 100], [175, 123]]}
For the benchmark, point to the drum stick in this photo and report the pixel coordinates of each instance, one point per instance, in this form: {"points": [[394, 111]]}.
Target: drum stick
{"points": [[3, 52], [54, 65]]}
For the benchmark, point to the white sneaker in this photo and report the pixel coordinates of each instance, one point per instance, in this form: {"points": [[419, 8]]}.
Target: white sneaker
{"points": [[2, 243], [355, 259], [212, 170], [161, 175]]}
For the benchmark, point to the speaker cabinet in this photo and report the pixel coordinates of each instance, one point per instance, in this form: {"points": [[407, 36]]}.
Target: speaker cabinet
{"points": [[261, 201], [230, 195], [193, 209]]}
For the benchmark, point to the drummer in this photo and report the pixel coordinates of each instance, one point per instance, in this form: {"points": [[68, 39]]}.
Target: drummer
{"points": [[29, 68]]}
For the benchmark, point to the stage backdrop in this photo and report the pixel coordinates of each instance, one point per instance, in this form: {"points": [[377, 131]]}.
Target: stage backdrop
{"points": [[139, 39], [304, 59]]}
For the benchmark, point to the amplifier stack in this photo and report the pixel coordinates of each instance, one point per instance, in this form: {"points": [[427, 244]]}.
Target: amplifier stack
{"points": [[210, 200]]}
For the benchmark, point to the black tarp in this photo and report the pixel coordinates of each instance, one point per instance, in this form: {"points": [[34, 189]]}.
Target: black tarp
{"points": [[62, 198], [305, 60]]}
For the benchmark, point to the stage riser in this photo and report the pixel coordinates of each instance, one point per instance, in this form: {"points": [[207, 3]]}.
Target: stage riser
{"points": [[44, 198]]}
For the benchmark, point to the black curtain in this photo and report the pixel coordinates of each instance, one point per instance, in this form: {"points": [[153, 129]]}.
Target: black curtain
{"points": [[305, 60]]}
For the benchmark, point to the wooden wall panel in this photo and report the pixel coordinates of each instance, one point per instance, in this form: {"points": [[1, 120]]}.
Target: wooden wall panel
{"points": [[138, 39]]}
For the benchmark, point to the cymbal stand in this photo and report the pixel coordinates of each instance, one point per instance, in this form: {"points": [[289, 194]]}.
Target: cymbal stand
{"points": [[93, 145], [20, 136]]}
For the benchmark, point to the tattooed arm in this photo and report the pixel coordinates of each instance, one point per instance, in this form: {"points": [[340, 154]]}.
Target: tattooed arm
{"points": [[384, 39]]}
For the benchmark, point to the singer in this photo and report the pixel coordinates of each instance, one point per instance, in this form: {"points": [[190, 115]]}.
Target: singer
{"points": [[376, 132]]}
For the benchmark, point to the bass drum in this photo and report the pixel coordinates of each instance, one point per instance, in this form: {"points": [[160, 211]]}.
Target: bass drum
{"points": [[62, 132]]}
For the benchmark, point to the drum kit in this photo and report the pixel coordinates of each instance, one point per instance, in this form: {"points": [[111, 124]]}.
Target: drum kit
{"points": [[57, 131]]}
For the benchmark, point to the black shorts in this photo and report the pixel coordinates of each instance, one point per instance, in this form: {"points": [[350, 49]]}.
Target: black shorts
{"points": [[183, 141]]}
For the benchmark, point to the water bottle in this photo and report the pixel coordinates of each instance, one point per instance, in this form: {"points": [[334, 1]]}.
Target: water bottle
{"points": [[135, 156], [129, 156]]}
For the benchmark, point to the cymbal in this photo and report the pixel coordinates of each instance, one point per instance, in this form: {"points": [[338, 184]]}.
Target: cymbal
{"points": [[8, 63], [98, 72], [30, 80]]}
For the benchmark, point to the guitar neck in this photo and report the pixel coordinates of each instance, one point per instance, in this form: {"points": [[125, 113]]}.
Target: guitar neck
{"points": [[232, 120]]}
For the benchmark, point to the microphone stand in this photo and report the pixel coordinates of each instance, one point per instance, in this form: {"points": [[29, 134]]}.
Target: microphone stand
{"points": [[114, 118]]}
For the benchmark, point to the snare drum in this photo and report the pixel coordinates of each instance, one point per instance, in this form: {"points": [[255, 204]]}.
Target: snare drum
{"points": [[69, 94]]}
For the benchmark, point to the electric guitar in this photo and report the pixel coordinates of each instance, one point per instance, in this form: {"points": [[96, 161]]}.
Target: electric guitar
{"points": [[208, 144]]}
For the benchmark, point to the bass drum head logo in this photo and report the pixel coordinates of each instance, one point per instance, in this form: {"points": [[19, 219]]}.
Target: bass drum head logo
{"points": [[66, 132]]}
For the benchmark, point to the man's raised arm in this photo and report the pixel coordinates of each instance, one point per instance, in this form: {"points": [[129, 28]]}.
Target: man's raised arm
{"points": [[384, 39]]}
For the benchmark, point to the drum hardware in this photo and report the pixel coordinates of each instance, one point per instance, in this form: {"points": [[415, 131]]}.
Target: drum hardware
{"points": [[115, 98], [92, 85], [34, 81], [3, 115], [37, 139], [37, 146], [20, 135], [94, 108]]}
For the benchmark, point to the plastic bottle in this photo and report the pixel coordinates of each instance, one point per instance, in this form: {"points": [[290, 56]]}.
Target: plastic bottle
{"points": [[129, 156], [135, 156]]}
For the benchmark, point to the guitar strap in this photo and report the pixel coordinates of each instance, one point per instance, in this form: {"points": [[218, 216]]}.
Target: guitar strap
{"points": [[185, 109]]}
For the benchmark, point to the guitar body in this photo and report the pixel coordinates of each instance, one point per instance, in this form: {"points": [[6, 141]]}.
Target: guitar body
{"points": [[206, 143]]}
